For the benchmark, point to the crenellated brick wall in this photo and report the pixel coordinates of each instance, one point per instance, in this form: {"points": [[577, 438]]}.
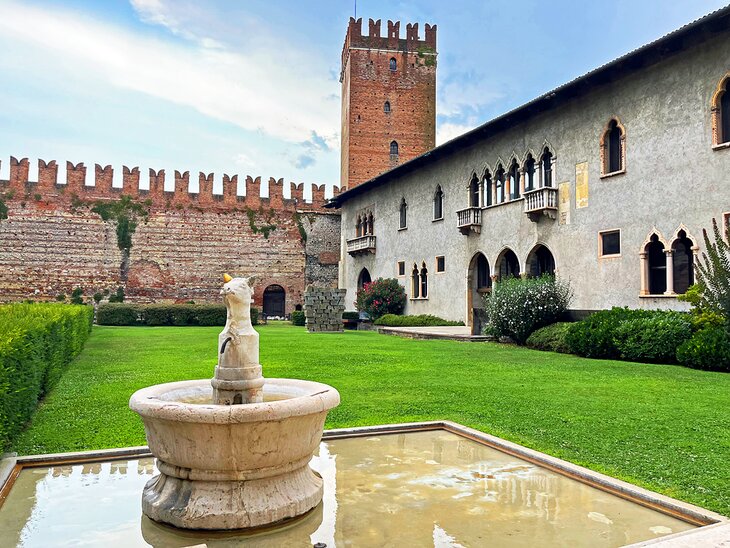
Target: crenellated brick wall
{"points": [[52, 242]]}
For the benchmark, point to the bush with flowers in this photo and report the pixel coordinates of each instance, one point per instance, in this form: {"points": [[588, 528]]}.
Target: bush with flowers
{"points": [[516, 307], [382, 296]]}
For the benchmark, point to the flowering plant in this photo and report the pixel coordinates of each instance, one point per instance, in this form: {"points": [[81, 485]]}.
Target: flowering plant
{"points": [[382, 296]]}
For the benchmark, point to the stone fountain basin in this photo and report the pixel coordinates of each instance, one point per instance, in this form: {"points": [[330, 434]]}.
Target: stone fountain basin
{"points": [[203, 441]]}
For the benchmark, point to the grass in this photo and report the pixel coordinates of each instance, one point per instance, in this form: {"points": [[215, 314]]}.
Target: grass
{"points": [[664, 427]]}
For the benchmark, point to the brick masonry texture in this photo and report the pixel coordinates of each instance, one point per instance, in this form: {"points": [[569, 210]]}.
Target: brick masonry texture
{"points": [[51, 242], [323, 308], [368, 82]]}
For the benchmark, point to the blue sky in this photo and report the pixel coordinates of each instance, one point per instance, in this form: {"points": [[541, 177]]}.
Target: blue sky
{"points": [[251, 87]]}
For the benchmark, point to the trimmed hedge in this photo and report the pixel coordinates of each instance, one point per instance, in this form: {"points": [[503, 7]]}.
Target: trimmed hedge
{"points": [[421, 320], [707, 349], [165, 314], [595, 336], [297, 317], [551, 338], [37, 342], [351, 315], [654, 338]]}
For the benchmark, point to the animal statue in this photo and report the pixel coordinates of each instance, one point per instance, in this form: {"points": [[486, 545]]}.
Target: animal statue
{"points": [[238, 377]]}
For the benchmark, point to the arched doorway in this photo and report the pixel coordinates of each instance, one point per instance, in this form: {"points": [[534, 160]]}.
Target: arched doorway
{"points": [[363, 278], [479, 282], [274, 301], [507, 265], [540, 261]]}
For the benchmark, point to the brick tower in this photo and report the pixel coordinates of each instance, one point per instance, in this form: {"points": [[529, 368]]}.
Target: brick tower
{"points": [[388, 98]]}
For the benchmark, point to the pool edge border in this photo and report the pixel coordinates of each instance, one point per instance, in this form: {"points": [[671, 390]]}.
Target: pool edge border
{"points": [[11, 465]]}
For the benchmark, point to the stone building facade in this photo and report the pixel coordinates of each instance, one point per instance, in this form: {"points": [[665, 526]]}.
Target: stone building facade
{"points": [[59, 231], [388, 98], [608, 181]]}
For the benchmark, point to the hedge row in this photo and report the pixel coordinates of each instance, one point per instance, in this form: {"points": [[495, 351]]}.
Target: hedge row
{"points": [[420, 320], [165, 314], [653, 336], [37, 341]]}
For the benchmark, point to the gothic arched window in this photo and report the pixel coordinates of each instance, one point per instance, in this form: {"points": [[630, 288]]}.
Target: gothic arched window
{"points": [[438, 204], [424, 281], [529, 173], [721, 113], [474, 192], [393, 149], [488, 188], [546, 168], [613, 148], [682, 263], [415, 283], [657, 263], [499, 181], [514, 180], [393, 64]]}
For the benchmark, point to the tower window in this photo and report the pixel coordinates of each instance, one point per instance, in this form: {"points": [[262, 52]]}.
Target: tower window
{"points": [[386, 107], [393, 150], [393, 64]]}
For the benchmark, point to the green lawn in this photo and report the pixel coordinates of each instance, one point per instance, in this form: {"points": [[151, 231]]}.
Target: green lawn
{"points": [[663, 427]]}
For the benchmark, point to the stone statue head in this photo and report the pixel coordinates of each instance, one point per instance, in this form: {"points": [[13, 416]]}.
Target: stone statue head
{"points": [[237, 292]]}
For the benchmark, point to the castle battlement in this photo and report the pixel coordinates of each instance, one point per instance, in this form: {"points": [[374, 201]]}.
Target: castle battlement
{"points": [[391, 41], [48, 181]]}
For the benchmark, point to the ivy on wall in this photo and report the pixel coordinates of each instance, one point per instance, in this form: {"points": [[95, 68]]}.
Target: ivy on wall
{"points": [[268, 216]]}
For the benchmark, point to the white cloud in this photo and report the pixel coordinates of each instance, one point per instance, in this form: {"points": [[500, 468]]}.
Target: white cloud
{"points": [[447, 130], [461, 97], [254, 91]]}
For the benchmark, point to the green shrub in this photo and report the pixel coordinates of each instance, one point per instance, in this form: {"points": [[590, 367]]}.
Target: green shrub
{"points": [[551, 338], [713, 272], [708, 349], [654, 338], [421, 320], [594, 337], [351, 315], [516, 307], [297, 317], [37, 341], [118, 314], [383, 296], [77, 296], [118, 296], [165, 314]]}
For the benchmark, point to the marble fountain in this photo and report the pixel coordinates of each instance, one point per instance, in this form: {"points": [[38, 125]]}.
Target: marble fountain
{"points": [[233, 452]]}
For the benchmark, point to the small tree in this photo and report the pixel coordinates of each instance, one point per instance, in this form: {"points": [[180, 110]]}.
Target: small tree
{"points": [[516, 307], [383, 296], [713, 273]]}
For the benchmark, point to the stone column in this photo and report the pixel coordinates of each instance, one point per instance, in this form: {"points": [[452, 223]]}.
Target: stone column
{"points": [[644, 273], [670, 272], [522, 181], [494, 191], [481, 193]]}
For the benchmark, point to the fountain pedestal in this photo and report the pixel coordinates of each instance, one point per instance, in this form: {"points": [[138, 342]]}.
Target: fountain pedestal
{"points": [[233, 466]]}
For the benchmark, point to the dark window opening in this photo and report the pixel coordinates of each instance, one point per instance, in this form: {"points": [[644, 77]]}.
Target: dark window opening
{"points": [[363, 278], [424, 281], [438, 203], [724, 136], [484, 280], [474, 192], [541, 262], [529, 173], [386, 107], [611, 243], [514, 180], [359, 227], [441, 264], [393, 64], [683, 263], [415, 283], [508, 266], [657, 266], [547, 167], [274, 301], [487, 183], [613, 144], [401, 268], [403, 214]]}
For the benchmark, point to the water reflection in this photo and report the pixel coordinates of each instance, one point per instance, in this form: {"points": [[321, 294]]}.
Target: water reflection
{"points": [[424, 488]]}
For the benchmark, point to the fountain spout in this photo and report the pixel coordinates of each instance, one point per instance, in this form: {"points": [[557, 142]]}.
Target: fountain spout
{"points": [[238, 377]]}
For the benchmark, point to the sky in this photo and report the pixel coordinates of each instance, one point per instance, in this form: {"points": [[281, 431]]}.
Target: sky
{"points": [[252, 86]]}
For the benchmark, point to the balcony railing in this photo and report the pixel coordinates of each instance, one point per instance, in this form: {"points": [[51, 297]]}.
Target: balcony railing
{"points": [[469, 220], [363, 244], [543, 201]]}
